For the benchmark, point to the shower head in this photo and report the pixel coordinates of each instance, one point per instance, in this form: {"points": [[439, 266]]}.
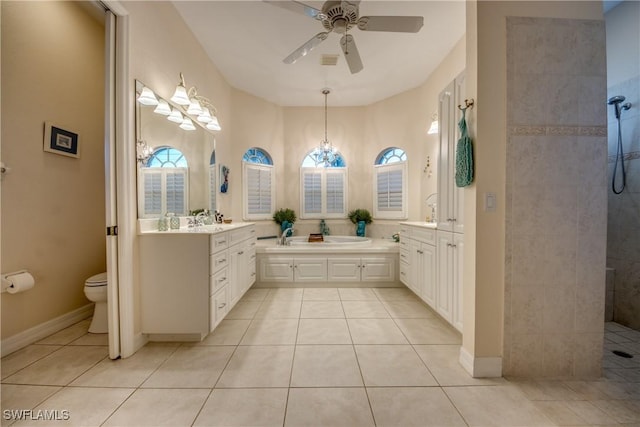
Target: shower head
{"points": [[616, 100]]}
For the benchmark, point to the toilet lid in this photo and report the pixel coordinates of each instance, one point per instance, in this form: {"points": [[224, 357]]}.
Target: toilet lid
{"points": [[97, 280]]}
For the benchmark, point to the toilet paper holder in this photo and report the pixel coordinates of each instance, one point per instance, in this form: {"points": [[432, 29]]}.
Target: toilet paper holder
{"points": [[6, 281]]}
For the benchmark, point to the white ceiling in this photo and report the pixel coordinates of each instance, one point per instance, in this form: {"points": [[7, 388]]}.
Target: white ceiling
{"points": [[247, 41]]}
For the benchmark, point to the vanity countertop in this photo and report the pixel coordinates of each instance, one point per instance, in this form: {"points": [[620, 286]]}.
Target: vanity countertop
{"points": [[146, 227], [423, 224]]}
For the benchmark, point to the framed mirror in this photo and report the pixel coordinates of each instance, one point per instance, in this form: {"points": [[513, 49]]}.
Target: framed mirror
{"points": [[176, 165]]}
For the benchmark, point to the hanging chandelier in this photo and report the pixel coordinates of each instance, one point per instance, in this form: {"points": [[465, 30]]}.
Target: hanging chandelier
{"points": [[326, 154]]}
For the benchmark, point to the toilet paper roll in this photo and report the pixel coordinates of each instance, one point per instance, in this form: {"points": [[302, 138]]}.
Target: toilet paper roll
{"points": [[20, 282]]}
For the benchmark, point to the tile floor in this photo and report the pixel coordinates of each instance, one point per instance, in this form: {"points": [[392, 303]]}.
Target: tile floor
{"points": [[314, 357]]}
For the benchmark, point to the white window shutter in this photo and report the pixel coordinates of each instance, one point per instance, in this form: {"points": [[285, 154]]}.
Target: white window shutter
{"points": [[259, 194], [213, 187], [164, 190], [311, 192], [390, 191], [323, 192], [335, 192], [152, 192]]}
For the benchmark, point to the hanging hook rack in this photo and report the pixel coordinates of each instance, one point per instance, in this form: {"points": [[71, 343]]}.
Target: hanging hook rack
{"points": [[468, 103]]}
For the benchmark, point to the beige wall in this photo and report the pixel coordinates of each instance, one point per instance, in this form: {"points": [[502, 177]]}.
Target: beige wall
{"points": [[53, 209], [485, 260]]}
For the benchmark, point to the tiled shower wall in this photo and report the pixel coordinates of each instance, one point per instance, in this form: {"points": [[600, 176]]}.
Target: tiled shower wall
{"points": [[623, 242], [556, 210]]}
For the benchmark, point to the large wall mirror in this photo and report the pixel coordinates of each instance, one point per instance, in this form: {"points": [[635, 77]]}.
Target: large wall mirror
{"points": [[176, 166]]}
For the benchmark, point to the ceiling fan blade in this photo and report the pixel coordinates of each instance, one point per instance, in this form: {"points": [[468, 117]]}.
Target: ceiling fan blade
{"points": [[298, 7], [306, 48], [351, 54], [401, 24]]}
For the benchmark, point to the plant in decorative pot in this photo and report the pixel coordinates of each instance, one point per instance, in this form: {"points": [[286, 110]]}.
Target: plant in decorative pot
{"points": [[360, 217], [285, 218]]}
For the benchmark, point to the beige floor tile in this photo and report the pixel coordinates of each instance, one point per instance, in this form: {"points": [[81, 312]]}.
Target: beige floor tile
{"points": [[375, 331], [191, 367], [392, 365], [244, 310], [395, 294], [67, 335], [560, 413], [285, 294], [323, 331], [443, 363], [86, 406], [325, 366], [92, 339], [129, 372], [17, 360], [244, 407], [428, 331], [159, 407], [408, 309], [255, 294], [334, 407], [23, 397], [271, 332], [622, 411], [365, 310], [279, 309], [413, 406], [501, 405], [321, 310], [60, 367], [228, 332], [320, 294], [357, 294], [258, 366], [545, 390]]}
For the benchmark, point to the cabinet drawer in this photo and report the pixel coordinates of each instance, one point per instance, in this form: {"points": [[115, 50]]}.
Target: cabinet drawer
{"points": [[217, 261], [404, 255], [219, 242], [218, 307], [424, 235], [242, 234], [218, 280], [404, 273]]}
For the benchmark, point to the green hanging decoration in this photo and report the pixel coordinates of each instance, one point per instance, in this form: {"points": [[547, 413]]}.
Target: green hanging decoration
{"points": [[464, 154]]}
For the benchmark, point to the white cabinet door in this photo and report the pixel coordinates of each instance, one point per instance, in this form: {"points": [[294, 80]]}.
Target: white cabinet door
{"points": [[276, 269], [444, 292], [378, 269], [345, 269], [428, 274], [218, 308], [458, 250], [310, 269], [414, 265]]}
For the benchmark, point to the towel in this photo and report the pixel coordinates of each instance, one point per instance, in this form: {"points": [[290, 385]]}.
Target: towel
{"points": [[464, 155]]}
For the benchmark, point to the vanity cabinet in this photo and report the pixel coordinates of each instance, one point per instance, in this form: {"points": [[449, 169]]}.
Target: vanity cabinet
{"points": [[418, 262], [450, 264], [359, 269], [190, 281]]}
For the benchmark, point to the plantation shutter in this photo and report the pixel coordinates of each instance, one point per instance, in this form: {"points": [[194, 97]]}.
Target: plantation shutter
{"points": [[164, 190], [324, 192], [390, 190], [311, 191], [213, 187], [335, 189], [259, 192]]}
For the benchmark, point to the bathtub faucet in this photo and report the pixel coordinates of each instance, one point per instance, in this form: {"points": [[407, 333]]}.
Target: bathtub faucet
{"points": [[286, 233]]}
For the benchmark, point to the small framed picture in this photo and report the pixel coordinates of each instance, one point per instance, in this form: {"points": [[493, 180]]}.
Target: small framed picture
{"points": [[60, 141]]}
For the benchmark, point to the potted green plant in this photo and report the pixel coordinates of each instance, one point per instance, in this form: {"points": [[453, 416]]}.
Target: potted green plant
{"points": [[285, 218], [360, 217]]}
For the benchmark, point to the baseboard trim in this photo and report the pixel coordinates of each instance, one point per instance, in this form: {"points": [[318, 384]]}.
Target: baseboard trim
{"points": [[481, 367], [43, 330]]}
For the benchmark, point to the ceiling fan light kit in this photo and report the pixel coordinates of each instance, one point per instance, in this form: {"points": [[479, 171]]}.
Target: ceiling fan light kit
{"points": [[340, 17]]}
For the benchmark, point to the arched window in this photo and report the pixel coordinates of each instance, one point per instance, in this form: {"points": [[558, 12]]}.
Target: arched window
{"points": [[391, 155], [323, 184], [258, 177], [390, 189], [164, 184], [257, 155]]}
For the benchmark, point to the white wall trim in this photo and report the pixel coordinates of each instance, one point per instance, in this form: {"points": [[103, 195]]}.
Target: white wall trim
{"points": [[43, 330], [481, 367]]}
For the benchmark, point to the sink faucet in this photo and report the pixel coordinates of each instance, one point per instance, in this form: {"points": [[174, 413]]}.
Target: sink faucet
{"points": [[283, 238]]}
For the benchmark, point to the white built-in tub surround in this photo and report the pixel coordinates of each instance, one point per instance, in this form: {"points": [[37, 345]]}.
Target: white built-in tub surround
{"points": [[338, 261], [191, 277]]}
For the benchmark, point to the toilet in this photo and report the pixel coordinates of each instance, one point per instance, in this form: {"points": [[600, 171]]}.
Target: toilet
{"points": [[95, 289]]}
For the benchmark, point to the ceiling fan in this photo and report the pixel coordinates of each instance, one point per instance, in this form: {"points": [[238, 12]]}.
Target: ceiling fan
{"points": [[341, 16]]}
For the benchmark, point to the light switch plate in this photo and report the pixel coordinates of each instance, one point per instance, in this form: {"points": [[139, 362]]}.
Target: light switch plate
{"points": [[490, 202]]}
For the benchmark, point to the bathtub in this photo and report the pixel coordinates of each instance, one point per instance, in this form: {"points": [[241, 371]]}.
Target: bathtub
{"points": [[330, 241]]}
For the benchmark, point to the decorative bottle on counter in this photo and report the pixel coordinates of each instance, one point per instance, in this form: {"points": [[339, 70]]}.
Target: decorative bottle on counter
{"points": [[163, 224], [174, 222]]}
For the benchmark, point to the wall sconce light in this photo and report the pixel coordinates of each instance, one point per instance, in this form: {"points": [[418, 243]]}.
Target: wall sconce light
{"points": [[196, 105], [143, 151], [147, 97], [187, 124], [175, 116], [434, 124], [163, 108]]}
